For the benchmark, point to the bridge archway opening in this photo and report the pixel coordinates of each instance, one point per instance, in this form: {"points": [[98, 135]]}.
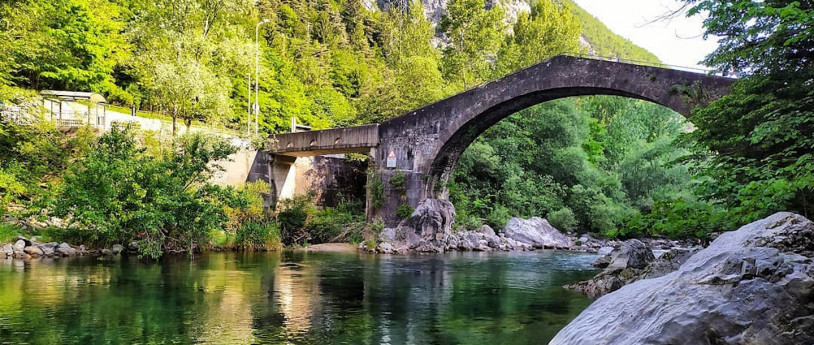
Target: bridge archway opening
{"points": [[450, 152]]}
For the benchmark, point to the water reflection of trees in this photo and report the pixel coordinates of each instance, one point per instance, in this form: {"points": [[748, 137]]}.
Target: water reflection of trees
{"points": [[293, 297]]}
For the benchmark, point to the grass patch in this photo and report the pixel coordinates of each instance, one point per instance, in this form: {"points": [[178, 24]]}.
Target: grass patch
{"points": [[8, 232]]}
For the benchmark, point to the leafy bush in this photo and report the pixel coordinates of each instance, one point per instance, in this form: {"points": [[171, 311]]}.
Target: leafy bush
{"points": [[563, 219], [293, 215], [116, 194], [375, 188], [678, 219], [398, 181], [327, 224], [258, 235], [498, 218], [404, 211]]}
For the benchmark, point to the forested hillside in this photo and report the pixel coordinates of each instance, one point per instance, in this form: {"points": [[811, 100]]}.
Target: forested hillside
{"points": [[327, 63], [603, 42]]}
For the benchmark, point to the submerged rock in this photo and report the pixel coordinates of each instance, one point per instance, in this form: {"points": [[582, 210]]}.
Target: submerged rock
{"points": [[536, 232], [750, 286]]}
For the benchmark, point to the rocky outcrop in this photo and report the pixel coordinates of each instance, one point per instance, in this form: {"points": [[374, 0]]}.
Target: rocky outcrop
{"points": [[629, 261], [429, 230], [631, 254], [536, 232], [25, 248], [750, 286]]}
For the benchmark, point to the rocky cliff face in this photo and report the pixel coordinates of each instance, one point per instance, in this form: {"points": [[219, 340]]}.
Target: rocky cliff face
{"points": [[750, 286]]}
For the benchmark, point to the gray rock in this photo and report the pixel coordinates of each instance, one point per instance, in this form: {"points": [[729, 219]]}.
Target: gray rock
{"points": [[116, 249], [603, 261], [107, 252], [133, 246], [750, 286], [18, 238], [6, 250], [388, 235], [604, 250], [487, 230], [536, 232], [46, 249], [386, 248], [670, 261], [631, 254], [33, 251], [19, 246], [428, 229], [65, 250]]}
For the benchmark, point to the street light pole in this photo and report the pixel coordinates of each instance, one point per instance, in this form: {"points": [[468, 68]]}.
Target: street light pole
{"points": [[249, 105], [257, 73]]}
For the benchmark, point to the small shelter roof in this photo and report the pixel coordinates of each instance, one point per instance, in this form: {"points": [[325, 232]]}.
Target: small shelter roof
{"points": [[74, 95]]}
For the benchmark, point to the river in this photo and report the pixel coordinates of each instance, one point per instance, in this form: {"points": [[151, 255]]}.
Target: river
{"points": [[293, 297]]}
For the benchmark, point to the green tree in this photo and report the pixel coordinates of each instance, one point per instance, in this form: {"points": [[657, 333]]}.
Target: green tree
{"points": [[761, 133], [475, 34], [549, 29], [62, 44], [116, 193]]}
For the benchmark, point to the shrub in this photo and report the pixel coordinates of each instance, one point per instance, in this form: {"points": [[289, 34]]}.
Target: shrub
{"points": [[258, 235], [563, 219], [498, 218], [293, 215], [327, 224], [404, 211], [375, 188], [398, 181], [116, 193]]}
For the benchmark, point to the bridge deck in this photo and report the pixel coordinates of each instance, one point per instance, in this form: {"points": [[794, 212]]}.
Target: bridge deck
{"points": [[329, 141]]}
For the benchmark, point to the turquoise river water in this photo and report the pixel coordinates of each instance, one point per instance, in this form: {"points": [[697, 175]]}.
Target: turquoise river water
{"points": [[293, 298]]}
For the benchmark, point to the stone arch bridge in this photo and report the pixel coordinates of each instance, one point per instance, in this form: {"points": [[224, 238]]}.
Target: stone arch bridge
{"points": [[422, 147]]}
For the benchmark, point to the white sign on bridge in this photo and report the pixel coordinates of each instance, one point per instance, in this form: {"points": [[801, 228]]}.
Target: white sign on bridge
{"points": [[391, 159]]}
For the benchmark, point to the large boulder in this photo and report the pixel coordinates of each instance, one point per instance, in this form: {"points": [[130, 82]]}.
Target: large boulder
{"points": [[631, 254], [430, 218], [750, 286], [536, 232], [428, 229]]}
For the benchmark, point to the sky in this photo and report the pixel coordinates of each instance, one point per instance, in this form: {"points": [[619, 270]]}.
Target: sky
{"points": [[676, 42]]}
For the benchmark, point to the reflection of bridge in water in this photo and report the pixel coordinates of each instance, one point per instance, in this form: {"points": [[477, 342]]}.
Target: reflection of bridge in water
{"points": [[425, 144]]}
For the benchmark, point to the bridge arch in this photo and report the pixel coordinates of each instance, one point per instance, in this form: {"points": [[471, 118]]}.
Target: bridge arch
{"points": [[429, 141]]}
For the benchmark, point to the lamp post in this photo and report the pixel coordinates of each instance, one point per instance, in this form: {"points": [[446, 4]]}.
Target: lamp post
{"points": [[257, 73], [249, 106]]}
